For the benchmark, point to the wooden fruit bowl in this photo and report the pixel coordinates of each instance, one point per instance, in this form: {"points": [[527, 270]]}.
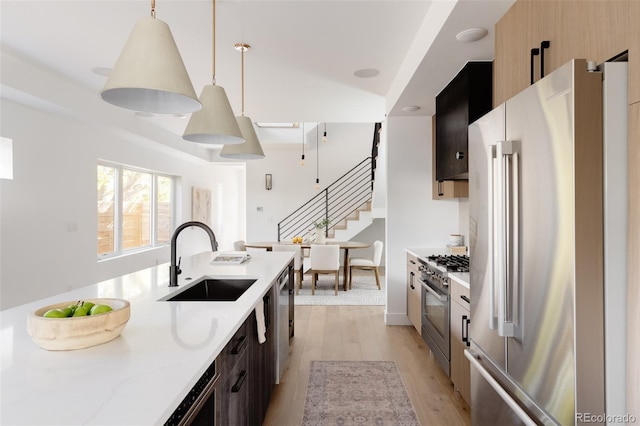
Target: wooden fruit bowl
{"points": [[64, 334]]}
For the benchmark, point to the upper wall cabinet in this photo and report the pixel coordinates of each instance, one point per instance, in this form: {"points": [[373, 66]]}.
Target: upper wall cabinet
{"points": [[592, 30], [465, 99]]}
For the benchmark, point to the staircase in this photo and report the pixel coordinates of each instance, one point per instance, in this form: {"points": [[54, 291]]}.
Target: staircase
{"points": [[353, 224], [346, 202]]}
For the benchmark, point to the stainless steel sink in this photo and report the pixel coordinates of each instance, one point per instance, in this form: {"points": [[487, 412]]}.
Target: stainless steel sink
{"points": [[212, 290]]}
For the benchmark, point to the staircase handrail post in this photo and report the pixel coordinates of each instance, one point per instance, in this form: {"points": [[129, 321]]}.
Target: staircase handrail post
{"points": [[326, 210]]}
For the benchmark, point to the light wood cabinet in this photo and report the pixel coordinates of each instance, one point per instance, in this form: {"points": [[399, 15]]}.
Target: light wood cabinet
{"points": [[414, 293], [459, 327], [448, 188], [634, 52], [633, 268], [593, 30]]}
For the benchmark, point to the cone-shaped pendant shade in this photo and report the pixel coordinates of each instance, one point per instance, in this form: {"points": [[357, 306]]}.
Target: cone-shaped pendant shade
{"points": [[149, 75], [215, 122], [250, 149]]}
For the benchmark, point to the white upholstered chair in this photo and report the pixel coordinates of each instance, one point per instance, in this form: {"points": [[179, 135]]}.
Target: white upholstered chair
{"points": [[325, 259], [239, 246], [297, 260], [367, 264]]}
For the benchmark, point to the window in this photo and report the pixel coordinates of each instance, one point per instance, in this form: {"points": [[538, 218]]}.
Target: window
{"points": [[135, 209]]}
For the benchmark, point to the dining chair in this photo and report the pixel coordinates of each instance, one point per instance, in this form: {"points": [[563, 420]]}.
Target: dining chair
{"points": [[325, 259], [297, 260], [367, 264], [239, 246]]}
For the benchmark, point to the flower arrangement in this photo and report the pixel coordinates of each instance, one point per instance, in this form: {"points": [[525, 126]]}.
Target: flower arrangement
{"points": [[322, 223]]}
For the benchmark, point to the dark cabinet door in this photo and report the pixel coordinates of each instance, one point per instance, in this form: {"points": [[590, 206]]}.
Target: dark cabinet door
{"points": [[236, 393], [264, 361], [465, 99]]}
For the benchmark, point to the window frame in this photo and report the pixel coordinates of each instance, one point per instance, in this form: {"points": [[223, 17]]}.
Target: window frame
{"points": [[118, 231]]}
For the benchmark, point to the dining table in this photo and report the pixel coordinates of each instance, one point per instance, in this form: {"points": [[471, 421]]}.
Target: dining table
{"points": [[344, 245]]}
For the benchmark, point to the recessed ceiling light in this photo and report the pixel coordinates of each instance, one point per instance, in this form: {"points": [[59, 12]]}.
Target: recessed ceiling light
{"points": [[366, 72], [411, 108], [472, 34], [101, 71]]}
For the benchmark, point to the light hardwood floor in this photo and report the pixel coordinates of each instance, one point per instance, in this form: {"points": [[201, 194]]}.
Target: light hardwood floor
{"points": [[359, 333]]}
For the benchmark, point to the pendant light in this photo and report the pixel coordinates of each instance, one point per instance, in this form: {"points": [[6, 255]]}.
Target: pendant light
{"points": [[215, 122], [251, 148], [149, 74], [317, 186], [324, 137], [302, 158]]}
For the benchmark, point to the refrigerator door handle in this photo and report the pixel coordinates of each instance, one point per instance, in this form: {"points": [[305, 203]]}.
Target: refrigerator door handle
{"points": [[507, 236], [493, 217], [522, 415]]}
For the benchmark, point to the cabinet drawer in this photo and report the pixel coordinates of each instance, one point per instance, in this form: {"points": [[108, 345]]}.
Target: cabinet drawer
{"points": [[460, 294], [236, 347]]}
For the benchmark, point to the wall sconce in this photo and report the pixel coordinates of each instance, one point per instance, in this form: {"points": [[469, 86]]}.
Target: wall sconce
{"points": [[268, 181]]}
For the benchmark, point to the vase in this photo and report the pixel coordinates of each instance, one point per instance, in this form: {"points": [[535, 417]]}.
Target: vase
{"points": [[320, 236]]}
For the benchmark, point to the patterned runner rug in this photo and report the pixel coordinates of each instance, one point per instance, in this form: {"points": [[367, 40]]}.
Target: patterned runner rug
{"points": [[357, 393]]}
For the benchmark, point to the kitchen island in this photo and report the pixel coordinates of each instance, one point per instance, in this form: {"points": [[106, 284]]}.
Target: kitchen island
{"points": [[140, 377]]}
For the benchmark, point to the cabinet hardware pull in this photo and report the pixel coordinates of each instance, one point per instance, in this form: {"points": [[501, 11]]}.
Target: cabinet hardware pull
{"points": [[239, 382], [412, 262], [534, 52], [462, 327], [544, 45], [465, 327], [440, 190], [465, 298], [236, 348]]}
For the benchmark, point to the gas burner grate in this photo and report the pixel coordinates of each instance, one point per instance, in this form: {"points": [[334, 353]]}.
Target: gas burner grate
{"points": [[453, 263]]}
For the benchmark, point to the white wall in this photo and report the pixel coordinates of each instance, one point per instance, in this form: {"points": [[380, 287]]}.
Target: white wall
{"points": [[54, 184], [293, 185], [413, 218]]}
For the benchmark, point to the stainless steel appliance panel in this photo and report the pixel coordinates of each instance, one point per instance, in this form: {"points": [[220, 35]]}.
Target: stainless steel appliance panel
{"points": [[435, 322], [536, 238], [541, 352], [283, 322], [483, 136]]}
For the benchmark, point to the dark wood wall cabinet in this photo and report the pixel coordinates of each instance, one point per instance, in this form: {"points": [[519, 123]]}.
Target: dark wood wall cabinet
{"points": [[465, 99]]}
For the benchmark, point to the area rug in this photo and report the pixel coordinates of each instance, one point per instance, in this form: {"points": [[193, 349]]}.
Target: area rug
{"points": [[363, 291], [357, 393]]}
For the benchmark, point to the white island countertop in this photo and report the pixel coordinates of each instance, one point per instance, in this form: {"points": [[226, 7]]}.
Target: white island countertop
{"points": [[140, 377]]}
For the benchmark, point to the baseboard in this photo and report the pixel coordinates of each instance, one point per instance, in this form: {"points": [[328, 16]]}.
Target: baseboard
{"points": [[396, 319]]}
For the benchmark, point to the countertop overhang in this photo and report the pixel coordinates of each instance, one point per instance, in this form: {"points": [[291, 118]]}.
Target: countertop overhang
{"points": [[140, 377]]}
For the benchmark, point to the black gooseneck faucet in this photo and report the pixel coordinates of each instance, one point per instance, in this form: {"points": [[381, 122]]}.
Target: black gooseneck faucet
{"points": [[174, 268]]}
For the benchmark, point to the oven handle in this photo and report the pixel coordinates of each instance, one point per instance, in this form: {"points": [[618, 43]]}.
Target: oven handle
{"points": [[440, 297]]}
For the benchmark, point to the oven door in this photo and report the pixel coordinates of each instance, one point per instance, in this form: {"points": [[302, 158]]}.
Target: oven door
{"points": [[435, 322]]}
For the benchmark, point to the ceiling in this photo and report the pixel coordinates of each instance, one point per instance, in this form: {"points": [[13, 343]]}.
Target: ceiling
{"points": [[303, 53]]}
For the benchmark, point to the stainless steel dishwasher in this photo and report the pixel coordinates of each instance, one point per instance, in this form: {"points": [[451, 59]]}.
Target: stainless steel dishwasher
{"points": [[283, 322]]}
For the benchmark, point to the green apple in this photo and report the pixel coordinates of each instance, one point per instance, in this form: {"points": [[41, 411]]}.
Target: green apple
{"points": [[68, 311], [55, 313], [88, 305], [81, 311], [100, 309]]}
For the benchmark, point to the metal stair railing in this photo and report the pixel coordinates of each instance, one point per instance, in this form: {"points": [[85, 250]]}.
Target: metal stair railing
{"points": [[336, 202]]}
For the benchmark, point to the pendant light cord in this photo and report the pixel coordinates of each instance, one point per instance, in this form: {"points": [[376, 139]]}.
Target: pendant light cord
{"points": [[242, 71], [213, 38], [153, 8]]}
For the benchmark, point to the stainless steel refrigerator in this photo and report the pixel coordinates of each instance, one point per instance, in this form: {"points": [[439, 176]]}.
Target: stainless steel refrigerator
{"points": [[536, 242]]}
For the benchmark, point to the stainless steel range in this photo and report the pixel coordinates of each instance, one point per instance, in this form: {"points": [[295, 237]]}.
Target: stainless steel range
{"points": [[434, 280]]}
